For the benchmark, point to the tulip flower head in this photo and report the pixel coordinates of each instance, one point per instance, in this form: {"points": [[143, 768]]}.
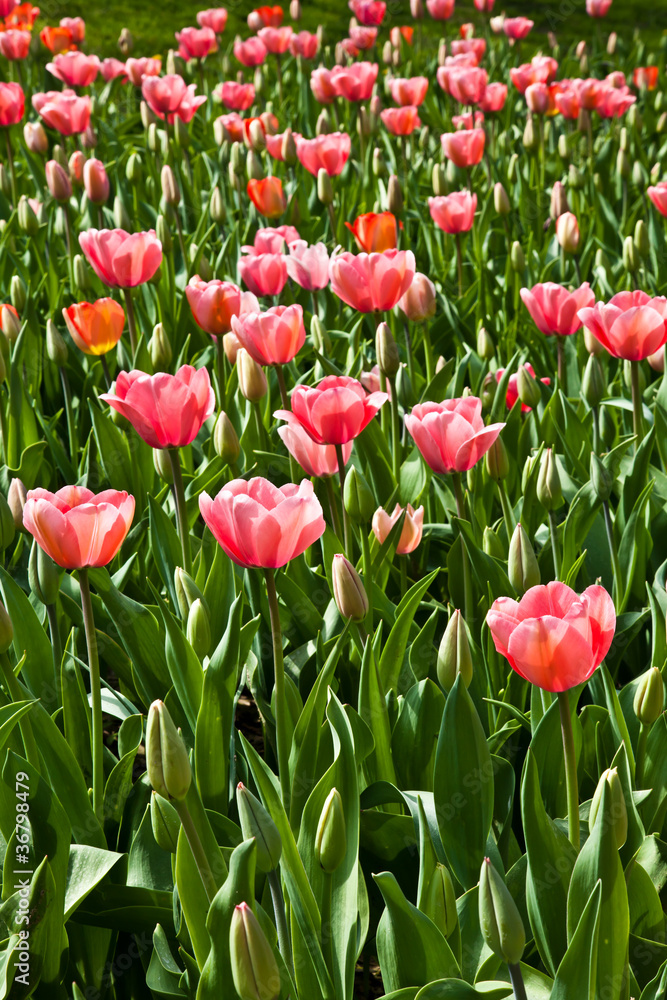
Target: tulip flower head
{"points": [[411, 532], [336, 410], [372, 282], [120, 259], [95, 327], [375, 232], [632, 325], [267, 196], [451, 436]]}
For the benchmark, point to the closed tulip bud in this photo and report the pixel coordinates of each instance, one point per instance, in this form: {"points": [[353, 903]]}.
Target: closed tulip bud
{"points": [[531, 139], [394, 196], [89, 138], [148, 118], [28, 222], [288, 148], [417, 9], [563, 149], [226, 440], [649, 700], [489, 389], [16, 498], [617, 810], [257, 81], [451, 173], [5, 181], [170, 191], [221, 133], [528, 387], [442, 52], [217, 208], [501, 202], [454, 656], [95, 181], [492, 544], [134, 169], [81, 274], [6, 630], [661, 124], [379, 166], [18, 294], [575, 178], [376, 107], [174, 64], [187, 591], [386, 351], [363, 122], [439, 180], [256, 136], [593, 386], [11, 325], [324, 187], [497, 461], [161, 464], [631, 260], [440, 901], [252, 380], [517, 258], [159, 348], [424, 137], [634, 118], [43, 574], [163, 233], [559, 203], [323, 124], [254, 166], [623, 165], [121, 217], [583, 64], [254, 968], [404, 390], [257, 823], [198, 629], [387, 53], [611, 43], [349, 592], [567, 232], [513, 167], [639, 176], [499, 917], [56, 348], [522, 568], [58, 182], [295, 10], [153, 138], [165, 823], [125, 41], [35, 137], [331, 838], [549, 490], [167, 762], [358, 498], [485, 347], [59, 155], [7, 529]]}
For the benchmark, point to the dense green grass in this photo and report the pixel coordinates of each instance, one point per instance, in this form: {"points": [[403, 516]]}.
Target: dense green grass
{"points": [[153, 22]]}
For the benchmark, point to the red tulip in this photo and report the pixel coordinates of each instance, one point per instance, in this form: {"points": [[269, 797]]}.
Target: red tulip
{"points": [[329, 152], [237, 96], [214, 17], [63, 110], [95, 327], [264, 273], [597, 8], [645, 77], [120, 259], [451, 436], [276, 40], [513, 386], [304, 44], [401, 121], [251, 52], [213, 304], [259, 525], [658, 195], [494, 97], [632, 325], [554, 309], [411, 532], [464, 148], [517, 27], [440, 10], [196, 43], [368, 12], [273, 337], [267, 196], [15, 44], [372, 282], [74, 68], [375, 232], [139, 69], [270, 17], [56, 39], [334, 411], [453, 213], [308, 265], [553, 637], [167, 411], [410, 91], [315, 459], [76, 527], [12, 103], [355, 82]]}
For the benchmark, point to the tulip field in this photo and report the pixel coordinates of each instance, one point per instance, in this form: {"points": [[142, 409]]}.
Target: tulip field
{"points": [[333, 504]]}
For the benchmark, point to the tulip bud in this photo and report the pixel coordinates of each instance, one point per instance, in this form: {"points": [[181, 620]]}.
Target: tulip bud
{"points": [[11, 325], [252, 380], [358, 497], [349, 592], [661, 125], [575, 178], [121, 217], [567, 232], [454, 656], [631, 260], [394, 196], [489, 389], [492, 544], [167, 762], [417, 9], [159, 348], [376, 107], [387, 53], [254, 968], [639, 174], [528, 388], [611, 43], [18, 294], [254, 166], [379, 166], [386, 351], [623, 165], [323, 124], [593, 386], [81, 276], [163, 233], [225, 440], [60, 156], [35, 137], [125, 41], [616, 803], [517, 258], [497, 461], [439, 180], [601, 478], [288, 148], [198, 629], [559, 203], [162, 465], [165, 823], [56, 348], [549, 491], [256, 822], [16, 498], [531, 140], [522, 568], [649, 700], [6, 629], [501, 202], [440, 901], [58, 182], [187, 592], [485, 347], [134, 169], [442, 52], [28, 222], [499, 918], [95, 181], [634, 119], [324, 187], [170, 191], [331, 838], [217, 208], [295, 10], [43, 574]]}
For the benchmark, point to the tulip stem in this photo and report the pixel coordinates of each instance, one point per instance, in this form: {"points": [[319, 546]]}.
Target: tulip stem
{"points": [[131, 321], [459, 264], [395, 432], [518, 985], [368, 574], [428, 354], [12, 168], [562, 367], [71, 423], [105, 370], [97, 734], [467, 581], [341, 476], [327, 939], [570, 756], [197, 848], [284, 398], [335, 520], [553, 528], [181, 510], [637, 416], [613, 552], [220, 352], [281, 923], [17, 693], [641, 754], [57, 648], [282, 749]]}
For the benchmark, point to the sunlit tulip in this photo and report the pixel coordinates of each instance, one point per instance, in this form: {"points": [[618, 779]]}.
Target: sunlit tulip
{"points": [[273, 337], [15, 44], [355, 82], [63, 110], [328, 152], [336, 410], [419, 302], [632, 325], [554, 308], [411, 532], [464, 148], [308, 265], [440, 10], [493, 98], [120, 259], [139, 69], [315, 459], [213, 304], [410, 91], [95, 181], [214, 17], [196, 43], [517, 27], [304, 44], [658, 195], [451, 436], [251, 52], [368, 12], [401, 121], [75, 69], [267, 196], [454, 213], [237, 96], [372, 282], [375, 232], [276, 40], [12, 104], [264, 273], [95, 327]]}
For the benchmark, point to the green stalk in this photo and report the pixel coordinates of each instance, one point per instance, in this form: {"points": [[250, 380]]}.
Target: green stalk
{"points": [[518, 985], [282, 749], [12, 168], [368, 574], [641, 754], [562, 368], [346, 520], [97, 735], [613, 552], [69, 413], [637, 415], [335, 520], [131, 321], [327, 940], [508, 513], [467, 580], [570, 756], [57, 648], [281, 922], [17, 693], [220, 351], [395, 432], [553, 527], [197, 848], [428, 353], [181, 510]]}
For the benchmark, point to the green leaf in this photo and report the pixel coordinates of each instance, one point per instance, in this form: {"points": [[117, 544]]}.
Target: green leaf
{"points": [[31, 639], [165, 545], [576, 976], [183, 664], [86, 868], [391, 660]]}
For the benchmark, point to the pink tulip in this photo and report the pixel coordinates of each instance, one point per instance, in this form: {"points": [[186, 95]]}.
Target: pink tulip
{"points": [[418, 303], [213, 304], [410, 91], [272, 240], [74, 68], [251, 52], [77, 26], [170, 96], [63, 110], [112, 68], [264, 273], [632, 325], [315, 459], [512, 393], [372, 282], [537, 98], [350, 48], [552, 637], [34, 136], [589, 91], [453, 213], [484, 6], [196, 43], [466, 84], [468, 120], [567, 232], [57, 181], [658, 195], [273, 337], [371, 381], [368, 12], [355, 82], [329, 151], [440, 10], [597, 8], [615, 79], [304, 44], [476, 46], [76, 527], [322, 85], [657, 360], [308, 266], [139, 69], [464, 148], [494, 97], [451, 436], [363, 38], [189, 106], [214, 17], [334, 411], [260, 525], [517, 27], [276, 40], [411, 532], [166, 411], [614, 102], [120, 259], [554, 309], [12, 104], [542, 69], [95, 181], [401, 121], [237, 96], [567, 103], [15, 44]]}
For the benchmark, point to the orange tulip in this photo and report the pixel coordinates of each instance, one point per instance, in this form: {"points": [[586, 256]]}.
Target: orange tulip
{"points": [[95, 327], [56, 39], [22, 17], [267, 196], [375, 232]]}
